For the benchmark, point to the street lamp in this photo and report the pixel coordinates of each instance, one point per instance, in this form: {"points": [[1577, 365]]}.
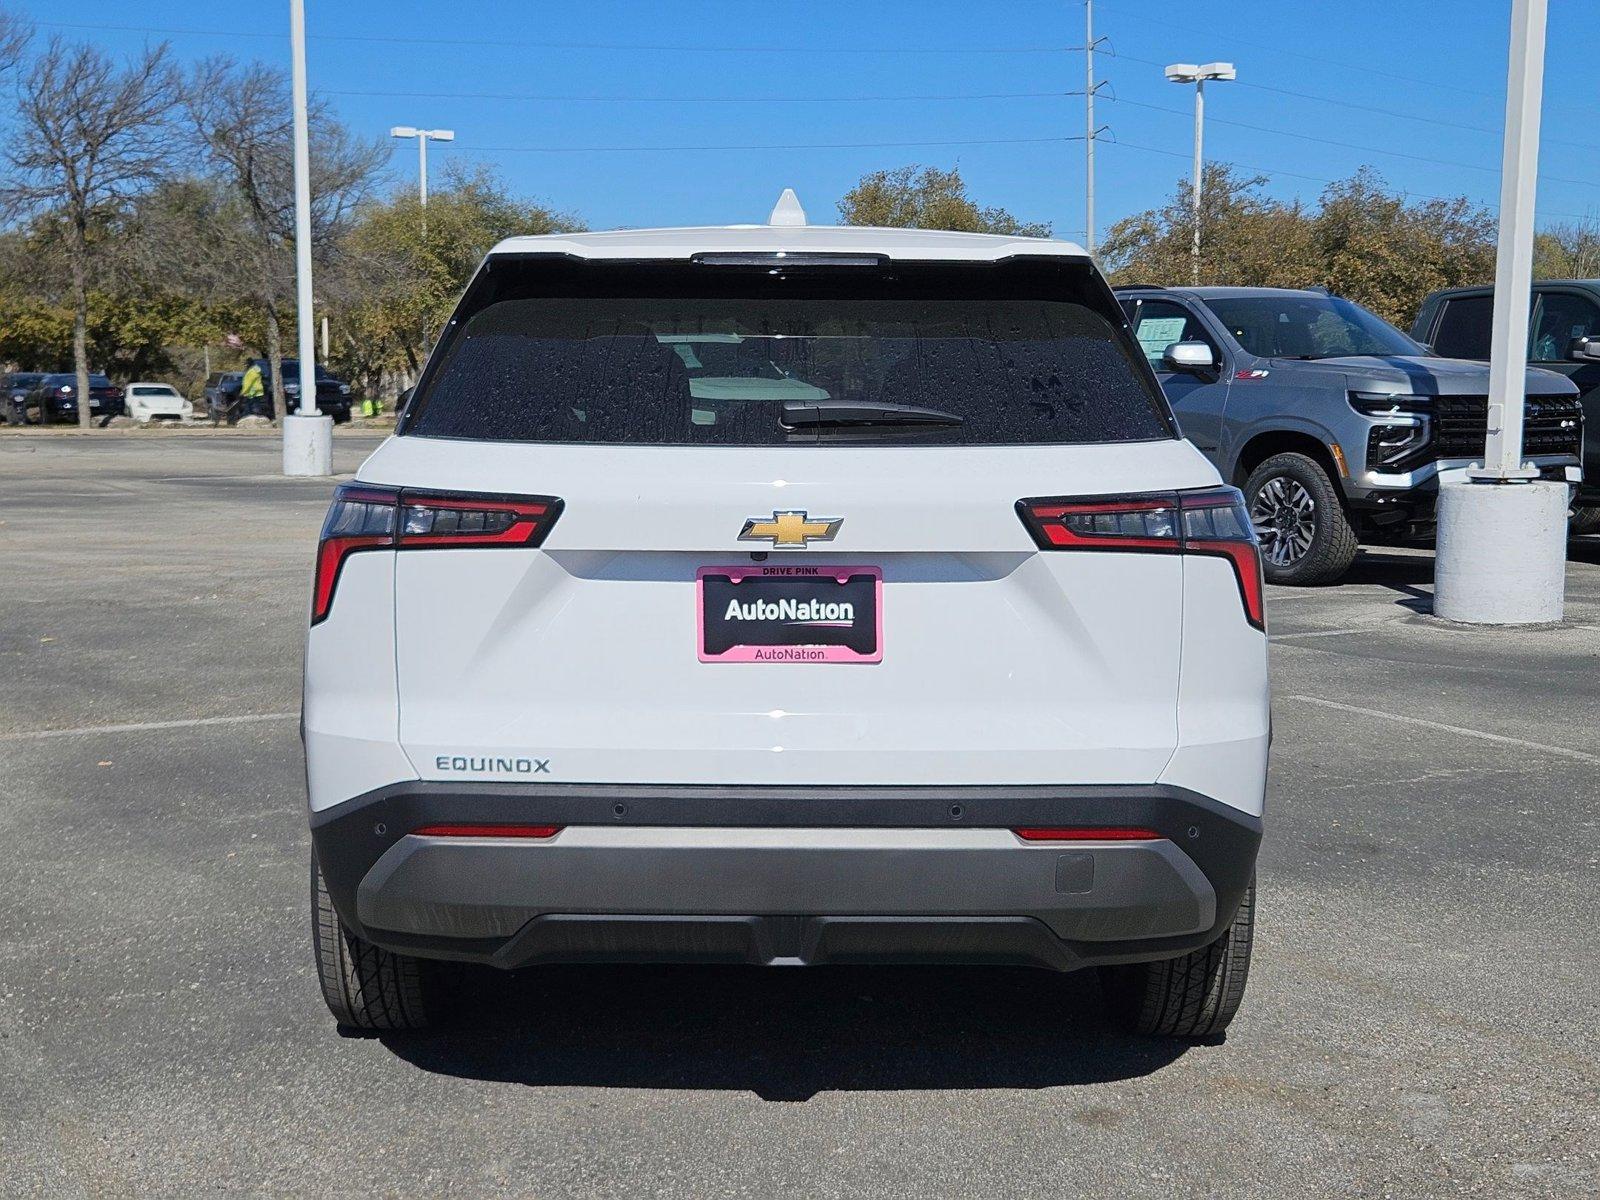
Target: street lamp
{"points": [[423, 136], [307, 433], [1197, 75]]}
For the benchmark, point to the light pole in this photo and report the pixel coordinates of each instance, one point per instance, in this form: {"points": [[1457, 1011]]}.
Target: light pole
{"points": [[1197, 75], [307, 433], [1502, 545], [423, 136]]}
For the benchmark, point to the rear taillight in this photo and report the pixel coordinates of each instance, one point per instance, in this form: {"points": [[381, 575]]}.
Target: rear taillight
{"points": [[1211, 522], [366, 518]]}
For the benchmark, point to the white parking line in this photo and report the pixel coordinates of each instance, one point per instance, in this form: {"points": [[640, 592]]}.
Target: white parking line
{"points": [[145, 726], [1311, 633], [1562, 751]]}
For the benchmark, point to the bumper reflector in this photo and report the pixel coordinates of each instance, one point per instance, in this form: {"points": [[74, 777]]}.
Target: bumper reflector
{"points": [[1087, 834], [493, 831]]}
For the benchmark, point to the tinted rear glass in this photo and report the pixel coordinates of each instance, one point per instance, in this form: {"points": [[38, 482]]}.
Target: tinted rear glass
{"points": [[687, 354]]}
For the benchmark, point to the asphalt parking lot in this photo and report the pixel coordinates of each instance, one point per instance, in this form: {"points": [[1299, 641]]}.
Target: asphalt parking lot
{"points": [[1422, 1016]]}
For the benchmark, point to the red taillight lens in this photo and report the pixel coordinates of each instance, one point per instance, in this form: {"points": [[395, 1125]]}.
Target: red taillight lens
{"points": [[359, 519], [1090, 833], [1212, 522], [367, 518], [1216, 522], [495, 831]]}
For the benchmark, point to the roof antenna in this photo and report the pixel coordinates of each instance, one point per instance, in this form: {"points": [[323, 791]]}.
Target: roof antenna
{"points": [[787, 210]]}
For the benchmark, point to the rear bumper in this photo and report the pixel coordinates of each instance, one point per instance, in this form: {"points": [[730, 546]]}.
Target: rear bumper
{"points": [[789, 874]]}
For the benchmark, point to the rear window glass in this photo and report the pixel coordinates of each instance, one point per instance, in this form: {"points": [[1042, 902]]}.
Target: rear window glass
{"points": [[687, 354]]}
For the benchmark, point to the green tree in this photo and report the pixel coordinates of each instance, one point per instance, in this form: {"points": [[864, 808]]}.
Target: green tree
{"points": [[240, 115], [1360, 241], [917, 197], [89, 137], [1569, 250], [399, 277], [1248, 239]]}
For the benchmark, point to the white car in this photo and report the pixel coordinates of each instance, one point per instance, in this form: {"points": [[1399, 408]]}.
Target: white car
{"points": [[157, 401], [781, 594]]}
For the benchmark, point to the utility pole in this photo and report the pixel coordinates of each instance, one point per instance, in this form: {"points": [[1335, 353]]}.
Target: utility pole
{"points": [[1197, 75], [307, 433], [1088, 126]]}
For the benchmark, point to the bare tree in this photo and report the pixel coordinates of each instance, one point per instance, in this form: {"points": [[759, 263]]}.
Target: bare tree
{"points": [[89, 137], [241, 114]]}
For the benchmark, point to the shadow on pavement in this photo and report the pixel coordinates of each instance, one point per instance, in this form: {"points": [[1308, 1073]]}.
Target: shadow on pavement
{"points": [[1403, 573], [783, 1034]]}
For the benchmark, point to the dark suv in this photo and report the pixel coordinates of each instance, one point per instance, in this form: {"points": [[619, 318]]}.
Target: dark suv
{"points": [[14, 389], [333, 395], [1564, 336], [55, 398]]}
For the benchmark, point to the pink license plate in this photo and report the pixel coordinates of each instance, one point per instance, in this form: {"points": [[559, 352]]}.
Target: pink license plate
{"points": [[790, 613]]}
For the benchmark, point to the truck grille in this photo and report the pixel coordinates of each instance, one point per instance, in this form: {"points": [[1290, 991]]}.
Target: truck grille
{"points": [[1553, 425]]}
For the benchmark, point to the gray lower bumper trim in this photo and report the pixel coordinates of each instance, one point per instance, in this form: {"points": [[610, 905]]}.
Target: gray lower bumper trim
{"points": [[482, 888]]}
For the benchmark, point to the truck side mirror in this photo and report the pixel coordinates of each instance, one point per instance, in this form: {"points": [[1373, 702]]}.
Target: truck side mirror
{"points": [[1193, 358], [1584, 349]]}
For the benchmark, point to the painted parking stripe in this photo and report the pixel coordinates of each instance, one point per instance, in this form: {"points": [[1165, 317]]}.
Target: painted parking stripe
{"points": [[38, 735], [1561, 751]]}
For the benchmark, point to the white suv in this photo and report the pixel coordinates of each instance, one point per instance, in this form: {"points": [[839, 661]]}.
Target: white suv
{"points": [[777, 594]]}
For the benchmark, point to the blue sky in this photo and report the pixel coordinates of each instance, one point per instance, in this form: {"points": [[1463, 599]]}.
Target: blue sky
{"points": [[573, 103]]}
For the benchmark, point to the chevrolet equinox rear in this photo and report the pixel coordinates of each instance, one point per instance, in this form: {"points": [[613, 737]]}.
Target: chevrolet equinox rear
{"points": [[787, 595]]}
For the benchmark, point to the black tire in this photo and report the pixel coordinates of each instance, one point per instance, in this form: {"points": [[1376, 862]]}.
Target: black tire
{"points": [[1306, 538], [1195, 996], [365, 986], [1584, 521]]}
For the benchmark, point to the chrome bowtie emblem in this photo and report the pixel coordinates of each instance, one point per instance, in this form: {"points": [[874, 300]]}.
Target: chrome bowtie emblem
{"points": [[793, 527]]}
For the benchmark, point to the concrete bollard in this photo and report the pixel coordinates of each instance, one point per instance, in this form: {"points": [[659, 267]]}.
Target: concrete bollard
{"points": [[1502, 553], [308, 445]]}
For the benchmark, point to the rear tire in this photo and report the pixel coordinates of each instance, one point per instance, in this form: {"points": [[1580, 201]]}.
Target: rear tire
{"points": [[1306, 538], [365, 986], [1195, 996], [1584, 521]]}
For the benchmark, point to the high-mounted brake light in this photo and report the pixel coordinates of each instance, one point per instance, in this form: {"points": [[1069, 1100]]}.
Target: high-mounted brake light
{"points": [[1210, 522], [367, 518]]}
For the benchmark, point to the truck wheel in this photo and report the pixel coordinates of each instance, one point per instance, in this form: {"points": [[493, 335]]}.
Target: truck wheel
{"points": [[366, 986], [1306, 539], [1584, 520], [1195, 996]]}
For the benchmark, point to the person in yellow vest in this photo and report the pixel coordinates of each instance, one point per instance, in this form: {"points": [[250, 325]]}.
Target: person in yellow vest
{"points": [[371, 406], [251, 389]]}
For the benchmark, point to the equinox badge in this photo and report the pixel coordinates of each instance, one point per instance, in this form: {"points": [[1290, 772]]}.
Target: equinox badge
{"points": [[792, 528]]}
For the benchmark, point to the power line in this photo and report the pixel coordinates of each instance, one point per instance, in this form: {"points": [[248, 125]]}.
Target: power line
{"points": [[568, 99], [692, 48], [1438, 162], [1280, 52], [769, 146]]}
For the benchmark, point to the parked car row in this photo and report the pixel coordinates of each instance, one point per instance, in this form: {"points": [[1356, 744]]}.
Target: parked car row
{"points": [[36, 397], [224, 401], [1339, 428], [39, 399]]}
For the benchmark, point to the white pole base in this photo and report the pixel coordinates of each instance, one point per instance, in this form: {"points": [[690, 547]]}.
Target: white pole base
{"points": [[308, 444], [1502, 553]]}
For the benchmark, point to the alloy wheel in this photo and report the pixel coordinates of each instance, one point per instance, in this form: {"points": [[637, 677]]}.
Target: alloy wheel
{"points": [[1285, 517]]}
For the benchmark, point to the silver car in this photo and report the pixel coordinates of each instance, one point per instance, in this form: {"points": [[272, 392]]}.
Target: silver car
{"points": [[1337, 427]]}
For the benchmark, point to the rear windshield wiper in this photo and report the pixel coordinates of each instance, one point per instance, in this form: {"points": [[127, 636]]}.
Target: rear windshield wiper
{"points": [[846, 413]]}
